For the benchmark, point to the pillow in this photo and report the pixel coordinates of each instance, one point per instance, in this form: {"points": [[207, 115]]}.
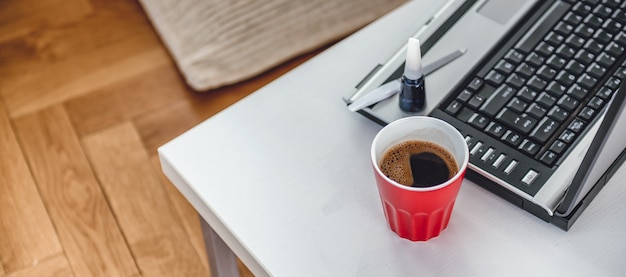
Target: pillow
{"points": [[221, 42]]}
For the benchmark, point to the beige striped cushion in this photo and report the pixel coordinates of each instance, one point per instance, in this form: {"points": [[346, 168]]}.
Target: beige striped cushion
{"points": [[220, 42]]}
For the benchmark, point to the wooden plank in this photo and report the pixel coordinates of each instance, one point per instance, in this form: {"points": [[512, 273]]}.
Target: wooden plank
{"points": [[57, 63], [144, 93], [51, 42], [32, 92], [26, 232], [86, 227], [154, 232], [54, 267], [21, 17], [187, 213]]}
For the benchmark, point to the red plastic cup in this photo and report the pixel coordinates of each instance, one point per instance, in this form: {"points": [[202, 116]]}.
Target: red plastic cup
{"points": [[419, 213]]}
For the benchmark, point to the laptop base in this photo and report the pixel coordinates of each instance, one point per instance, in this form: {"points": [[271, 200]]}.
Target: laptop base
{"points": [[564, 223]]}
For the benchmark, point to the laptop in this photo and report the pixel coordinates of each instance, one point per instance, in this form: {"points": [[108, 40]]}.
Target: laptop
{"points": [[538, 95]]}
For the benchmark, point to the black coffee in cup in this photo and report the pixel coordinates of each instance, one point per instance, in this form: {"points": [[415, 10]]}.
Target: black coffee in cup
{"points": [[417, 163]]}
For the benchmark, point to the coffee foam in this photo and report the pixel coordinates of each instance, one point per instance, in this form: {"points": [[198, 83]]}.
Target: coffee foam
{"points": [[396, 161]]}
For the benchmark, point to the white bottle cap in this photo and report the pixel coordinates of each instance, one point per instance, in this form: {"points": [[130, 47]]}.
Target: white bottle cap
{"points": [[413, 63]]}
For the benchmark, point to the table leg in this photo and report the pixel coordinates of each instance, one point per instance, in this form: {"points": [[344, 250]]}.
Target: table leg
{"points": [[222, 260]]}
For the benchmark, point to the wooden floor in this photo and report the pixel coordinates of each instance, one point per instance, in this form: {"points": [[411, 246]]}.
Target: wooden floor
{"points": [[87, 94]]}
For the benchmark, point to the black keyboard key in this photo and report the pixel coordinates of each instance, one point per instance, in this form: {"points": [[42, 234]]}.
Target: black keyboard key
{"points": [[559, 114], [548, 158], [587, 82], [593, 46], [620, 15], [515, 81], [593, 21], [529, 147], [521, 123], [596, 103], [555, 89], [553, 15], [546, 73], [565, 78], [564, 28], [512, 138], [584, 32], [596, 70], [613, 83], [544, 130], [568, 103], [558, 146], [576, 125], [464, 96], [485, 91], [476, 84], [621, 72], [565, 52], [602, 37], [545, 100], [495, 129], [555, 39], [581, 8], [619, 12], [494, 78], [504, 67], [605, 60], [577, 92], [555, 62], [585, 57], [535, 59], [567, 136], [536, 111], [614, 4], [476, 101], [575, 67], [465, 114], [517, 105], [514, 56], [544, 49], [454, 108], [615, 49], [573, 19], [525, 70], [537, 84], [497, 100], [587, 113], [604, 93], [603, 11], [527, 94], [576, 41], [612, 26], [479, 121]]}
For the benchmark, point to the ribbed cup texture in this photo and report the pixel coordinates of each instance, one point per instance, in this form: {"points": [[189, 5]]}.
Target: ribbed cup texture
{"points": [[418, 226]]}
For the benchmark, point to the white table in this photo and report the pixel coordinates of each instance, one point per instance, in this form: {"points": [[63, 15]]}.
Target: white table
{"points": [[284, 178]]}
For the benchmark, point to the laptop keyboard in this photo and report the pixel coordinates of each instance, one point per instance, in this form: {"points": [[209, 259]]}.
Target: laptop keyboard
{"points": [[542, 93]]}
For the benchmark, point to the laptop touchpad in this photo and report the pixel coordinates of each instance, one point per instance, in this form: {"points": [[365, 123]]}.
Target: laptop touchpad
{"points": [[500, 10]]}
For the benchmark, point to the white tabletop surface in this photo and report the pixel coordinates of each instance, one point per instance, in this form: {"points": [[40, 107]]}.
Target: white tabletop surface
{"points": [[284, 177]]}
